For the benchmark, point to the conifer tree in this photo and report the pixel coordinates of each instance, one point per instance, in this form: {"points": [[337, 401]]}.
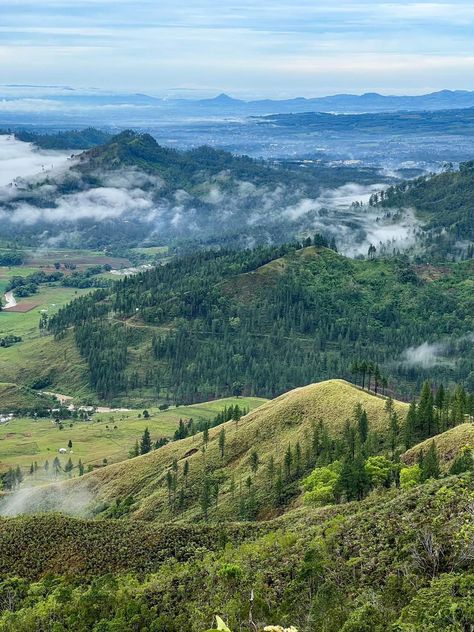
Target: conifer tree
{"points": [[411, 424], [222, 442], [205, 497], [205, 433], [254, 461], [463, 462], [430, 464], [186, 472], [425, 414], [288, 462], [145, 443]]}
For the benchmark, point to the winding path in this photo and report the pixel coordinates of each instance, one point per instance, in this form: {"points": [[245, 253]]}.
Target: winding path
{"points": [[10, 300]]}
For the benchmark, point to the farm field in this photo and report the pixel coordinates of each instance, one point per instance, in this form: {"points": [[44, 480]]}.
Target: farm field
{"points": [[23, 319], [25, 324], [107, 436]]}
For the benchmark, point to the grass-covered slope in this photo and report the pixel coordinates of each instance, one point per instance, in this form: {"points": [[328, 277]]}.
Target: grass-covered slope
{"points": [[267, 431], [448, 444], [14, 397], [47, 364]]}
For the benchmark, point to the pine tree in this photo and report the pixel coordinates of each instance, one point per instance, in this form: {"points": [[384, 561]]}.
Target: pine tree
{"points": [[169, 484], [145, 443], [222, 442], [362, 423], [205, 433], [69, 467], [254, 461], [463, 462], [425, 415], [430, 463], [81, 467], [298, 459], [186, 472], [205, 498], [288, 461], [394, 432], [411, 424]]}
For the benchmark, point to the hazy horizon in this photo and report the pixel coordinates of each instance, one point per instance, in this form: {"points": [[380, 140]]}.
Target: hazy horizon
{"points": [[275, 50]]}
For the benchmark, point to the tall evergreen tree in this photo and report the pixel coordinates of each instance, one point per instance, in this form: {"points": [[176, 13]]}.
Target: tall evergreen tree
{"points": [[425, 415], [430, 464], [222, 442], [145, 443]]}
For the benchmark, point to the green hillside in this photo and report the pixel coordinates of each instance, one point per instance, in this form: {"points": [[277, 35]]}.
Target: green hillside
{"points": [[14, 397], [363, 566], [444, 202], [449, 444], [313, 414], [271, 319]]}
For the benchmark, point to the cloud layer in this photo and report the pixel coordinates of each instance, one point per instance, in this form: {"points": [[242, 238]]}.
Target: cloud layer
{"points": [[57, 199]]}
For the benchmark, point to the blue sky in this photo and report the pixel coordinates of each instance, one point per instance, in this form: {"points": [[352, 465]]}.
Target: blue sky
{"points": [[258, 48]]}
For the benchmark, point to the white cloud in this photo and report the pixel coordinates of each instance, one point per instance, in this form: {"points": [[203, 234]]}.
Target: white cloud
{"points": [[22, 160], [425, 355]]}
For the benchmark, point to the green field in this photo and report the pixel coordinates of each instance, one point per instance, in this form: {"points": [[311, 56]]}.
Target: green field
{"points": [[49, 298], [107, 435]]}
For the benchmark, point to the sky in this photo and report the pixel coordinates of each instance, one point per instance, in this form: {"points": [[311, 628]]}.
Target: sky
{"points": [[246, 48]]}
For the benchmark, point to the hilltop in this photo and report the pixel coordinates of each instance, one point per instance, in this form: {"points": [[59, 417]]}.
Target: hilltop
{"points": [[449, 444], [238, 519], [129, 190]]}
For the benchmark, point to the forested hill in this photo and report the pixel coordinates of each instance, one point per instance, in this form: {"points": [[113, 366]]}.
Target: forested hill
{"points": [[444, 201], [130, 190], [270, 319], [193, 168]]}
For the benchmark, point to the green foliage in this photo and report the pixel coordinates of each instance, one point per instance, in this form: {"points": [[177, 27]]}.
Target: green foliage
{"points": [[463, 462], [379, 470], [321, 485], [357, 567], [447, 605], [410, 476]]}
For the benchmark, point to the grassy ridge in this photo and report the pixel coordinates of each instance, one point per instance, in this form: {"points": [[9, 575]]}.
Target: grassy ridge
{"points": [[448, 444], [268, 430], [14, 397], [55, 363]]}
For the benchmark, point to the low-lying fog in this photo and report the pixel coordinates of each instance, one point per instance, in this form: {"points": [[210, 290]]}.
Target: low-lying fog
{"points": [[22, 160], [128, 194]]}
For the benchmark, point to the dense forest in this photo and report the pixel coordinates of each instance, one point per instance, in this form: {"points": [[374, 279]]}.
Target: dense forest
{"points": [[265, 320]]}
